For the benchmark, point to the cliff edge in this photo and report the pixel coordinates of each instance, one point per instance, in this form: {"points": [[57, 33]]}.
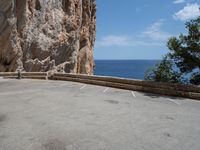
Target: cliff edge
{"points": [[43, 35]]}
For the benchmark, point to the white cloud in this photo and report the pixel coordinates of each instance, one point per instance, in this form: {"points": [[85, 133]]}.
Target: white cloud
{"points": [[190, 11], [179, 1], [155, 32], [127, 41], [114, 40], [152, 36]]}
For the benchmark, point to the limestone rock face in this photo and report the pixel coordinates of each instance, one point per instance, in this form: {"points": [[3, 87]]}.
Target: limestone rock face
{"points": [[43, 35]]}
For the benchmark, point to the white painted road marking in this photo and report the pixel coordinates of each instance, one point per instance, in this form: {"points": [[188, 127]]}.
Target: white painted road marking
{"points": [[104, 91], [133, 94], [83, 87], [173, 101]]}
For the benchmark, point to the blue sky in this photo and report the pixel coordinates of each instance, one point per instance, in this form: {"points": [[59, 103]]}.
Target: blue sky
{"points": [[139, 29]]}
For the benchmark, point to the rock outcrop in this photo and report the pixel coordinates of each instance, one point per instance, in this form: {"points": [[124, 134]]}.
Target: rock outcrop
{"points": [[43, 35]]}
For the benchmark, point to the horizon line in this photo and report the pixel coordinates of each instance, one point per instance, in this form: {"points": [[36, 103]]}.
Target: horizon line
{"points": [[126, 59]]}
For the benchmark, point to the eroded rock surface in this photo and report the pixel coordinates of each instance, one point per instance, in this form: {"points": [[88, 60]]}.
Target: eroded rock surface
{"points": [[43, 35]]}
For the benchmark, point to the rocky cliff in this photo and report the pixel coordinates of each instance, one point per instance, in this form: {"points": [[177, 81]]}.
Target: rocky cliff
{"points": [[43, 35]]}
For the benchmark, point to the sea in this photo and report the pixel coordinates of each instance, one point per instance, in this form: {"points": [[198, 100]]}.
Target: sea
{"points": [[132, 69]]}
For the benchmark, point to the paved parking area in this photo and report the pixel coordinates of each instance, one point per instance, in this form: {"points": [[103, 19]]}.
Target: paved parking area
{"points": [[58, 115]]}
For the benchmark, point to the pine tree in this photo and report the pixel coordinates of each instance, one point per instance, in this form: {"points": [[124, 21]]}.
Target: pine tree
{"points": [[184, 54]]}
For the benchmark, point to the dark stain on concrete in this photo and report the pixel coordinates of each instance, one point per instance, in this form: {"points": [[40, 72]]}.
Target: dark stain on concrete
{"points": [[170, 118], [54, 144], [3, 136], [127, 103], [167, 135], [2, 118], [112, 101], [167, 117]]}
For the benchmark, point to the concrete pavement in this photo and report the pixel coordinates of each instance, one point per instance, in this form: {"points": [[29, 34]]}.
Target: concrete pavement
{"points": [[58, 115]]}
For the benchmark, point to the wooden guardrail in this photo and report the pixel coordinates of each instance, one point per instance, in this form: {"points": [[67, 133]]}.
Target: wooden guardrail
{"points": [[178, 90]]}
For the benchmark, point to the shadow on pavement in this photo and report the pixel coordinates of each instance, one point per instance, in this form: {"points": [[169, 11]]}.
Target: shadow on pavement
{"points": [[161, 96]]}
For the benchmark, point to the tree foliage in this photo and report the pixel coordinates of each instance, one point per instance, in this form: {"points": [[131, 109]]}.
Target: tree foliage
{"points": [[163, 72], [184, 53]]}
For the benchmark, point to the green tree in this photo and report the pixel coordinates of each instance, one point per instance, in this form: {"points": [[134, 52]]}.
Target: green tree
{"points": [[163, 72], [195, 78], [184, 54]]}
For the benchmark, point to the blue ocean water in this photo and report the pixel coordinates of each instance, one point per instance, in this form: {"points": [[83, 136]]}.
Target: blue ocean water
{"points": [[134, 69]]}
